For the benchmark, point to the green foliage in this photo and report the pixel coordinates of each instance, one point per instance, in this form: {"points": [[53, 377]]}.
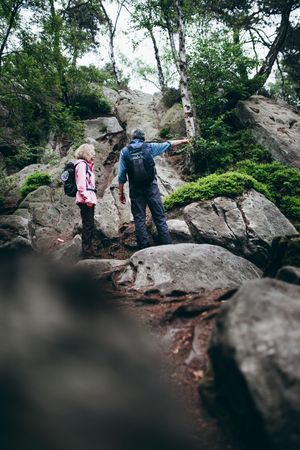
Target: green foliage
{"points": [[283, 183], [164, 133], [218, 72], [230, 184], [220, 146], [171, 96], [33, 182]]}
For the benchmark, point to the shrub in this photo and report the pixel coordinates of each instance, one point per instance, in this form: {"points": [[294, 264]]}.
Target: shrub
{"points": [[230, 184], [290, 206], [90, 102], [165, 133], [221, 146], [33, 182]]}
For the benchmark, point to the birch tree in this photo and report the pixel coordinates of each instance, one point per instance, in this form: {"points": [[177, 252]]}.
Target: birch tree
{"points": [[182, 66]]}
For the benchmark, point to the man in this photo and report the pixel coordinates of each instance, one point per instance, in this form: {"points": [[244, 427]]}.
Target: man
{"points": [[136, 161]]}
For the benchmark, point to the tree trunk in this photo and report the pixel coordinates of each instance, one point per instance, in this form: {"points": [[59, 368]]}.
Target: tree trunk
{"points": [[185, 94], [260, 78], [161, 77]]}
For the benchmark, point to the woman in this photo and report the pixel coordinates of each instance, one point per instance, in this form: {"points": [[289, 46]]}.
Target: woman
{"points": [[86, 193]]}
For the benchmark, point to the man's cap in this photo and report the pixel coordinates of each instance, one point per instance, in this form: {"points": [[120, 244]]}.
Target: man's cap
{"points": [[138, 133]]}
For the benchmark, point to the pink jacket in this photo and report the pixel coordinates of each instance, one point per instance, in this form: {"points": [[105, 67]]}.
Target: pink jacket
{"points": [[85, 181]]}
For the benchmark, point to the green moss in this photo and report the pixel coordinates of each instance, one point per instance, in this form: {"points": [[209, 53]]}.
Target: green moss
{"points": [[33, 182], [230, 184]]}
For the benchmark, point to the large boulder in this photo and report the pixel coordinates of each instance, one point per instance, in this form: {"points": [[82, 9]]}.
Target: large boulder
{"points": [[255, 355], [135, 109], [245, 225], [185, 268], [275, 125]]}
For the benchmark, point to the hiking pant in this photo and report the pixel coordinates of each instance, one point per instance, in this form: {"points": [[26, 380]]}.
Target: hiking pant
{"points": [[140, 198], [87, 216]]}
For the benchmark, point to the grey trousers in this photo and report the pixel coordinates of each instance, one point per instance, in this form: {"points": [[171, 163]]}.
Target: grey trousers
{"points": [[140, 198]]}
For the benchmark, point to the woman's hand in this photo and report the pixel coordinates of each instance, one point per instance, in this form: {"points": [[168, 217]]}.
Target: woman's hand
{"points": [[90, 205]]}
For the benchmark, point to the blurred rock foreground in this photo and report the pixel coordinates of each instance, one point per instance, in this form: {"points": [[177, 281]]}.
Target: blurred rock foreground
{"points": [[213, 269]]}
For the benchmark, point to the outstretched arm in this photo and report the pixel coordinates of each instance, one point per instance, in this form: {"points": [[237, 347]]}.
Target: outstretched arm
{"points": [[179, 142]]}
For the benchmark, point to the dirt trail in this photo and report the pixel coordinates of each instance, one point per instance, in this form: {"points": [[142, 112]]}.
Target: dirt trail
{"points": [[182, 333]]}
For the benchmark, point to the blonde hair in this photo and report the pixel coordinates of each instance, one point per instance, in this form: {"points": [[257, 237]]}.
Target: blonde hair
{"points": [[85, 151]]}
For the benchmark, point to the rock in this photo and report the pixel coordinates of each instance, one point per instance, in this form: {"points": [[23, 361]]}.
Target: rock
{"points": [[255, 355], [173, 120], [110, 213], [100, 127], [285, 251], [52, 215], [289, 274], [274, 125], [185, 268], [167, 177], [179, 230], [133, 108], [101, 268], [69, 252], [14, 232], [245, 225]]}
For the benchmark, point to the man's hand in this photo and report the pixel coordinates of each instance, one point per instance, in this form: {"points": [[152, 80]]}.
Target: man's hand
{"points": [[122, 197], [179, 142]]}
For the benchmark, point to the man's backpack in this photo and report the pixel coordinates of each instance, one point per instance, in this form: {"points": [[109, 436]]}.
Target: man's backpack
{"points": [[68, 178], [140, 165]]}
